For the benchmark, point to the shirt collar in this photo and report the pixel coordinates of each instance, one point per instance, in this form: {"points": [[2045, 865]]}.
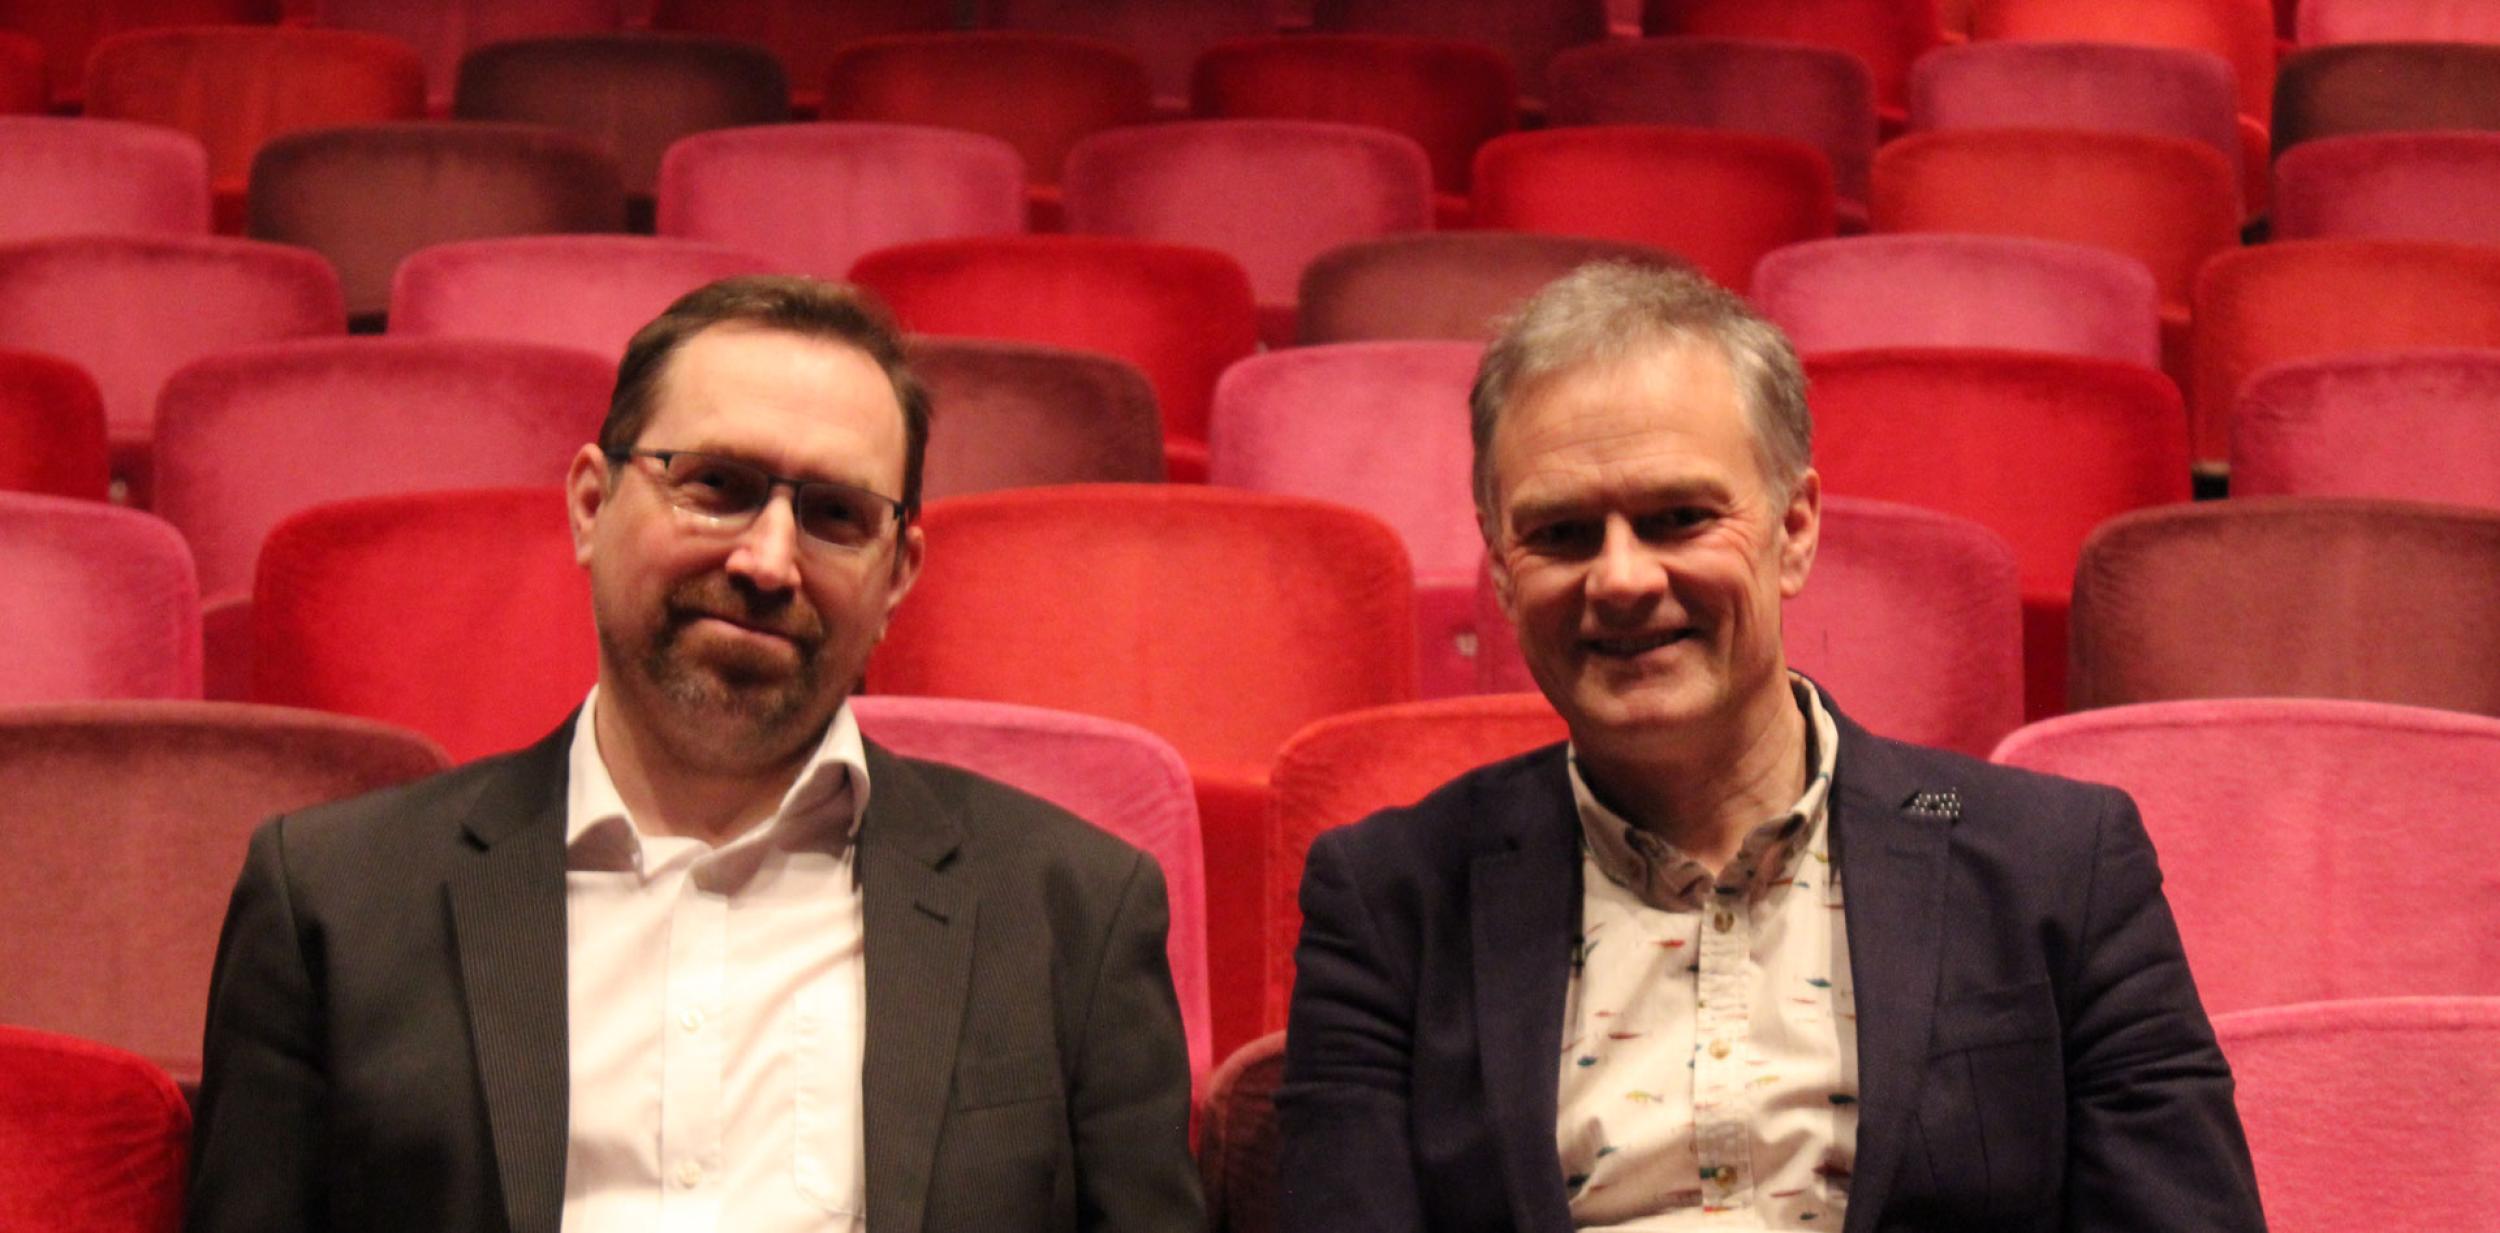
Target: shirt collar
{"points": [[1665, 877]]}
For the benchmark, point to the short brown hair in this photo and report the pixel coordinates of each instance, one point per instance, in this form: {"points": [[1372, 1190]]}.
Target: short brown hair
{"points": [[809, 307]]}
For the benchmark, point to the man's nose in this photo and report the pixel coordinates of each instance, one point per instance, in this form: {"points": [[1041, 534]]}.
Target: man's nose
{"points": [[1624, 570], [767, 551]]}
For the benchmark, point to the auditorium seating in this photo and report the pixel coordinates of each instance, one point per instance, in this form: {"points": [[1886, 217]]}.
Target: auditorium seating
{"points": [[1117, 776], [1168, 35], [817, 197], [1718, 200], [2286, 825], [1939, 289], [585, 291], [68, 176], [100, 602], [1453, 285], [96, 1138], [68, 30], [1237, 1139], [2416, 425], [23, 91], [51, 428], [2384, 601], [2321, 22], [2038, 448], [2383, 88], [2403, 1083], [805, 34], [1022, 415], [459, 614], [1888, 36], [442, 31], [2240, 31], [2393, 186], [1530, 32]]}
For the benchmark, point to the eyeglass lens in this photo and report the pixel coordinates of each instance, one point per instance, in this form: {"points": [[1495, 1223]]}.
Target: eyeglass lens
{"points": [[726, 490]]}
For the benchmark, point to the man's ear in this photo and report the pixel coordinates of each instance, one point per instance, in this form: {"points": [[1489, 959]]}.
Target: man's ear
{"points": [[910, 548], [1801, 531], [585, 494]]}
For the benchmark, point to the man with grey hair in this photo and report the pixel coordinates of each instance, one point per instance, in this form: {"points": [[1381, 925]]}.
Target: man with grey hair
{"points": [[1725, 959]]}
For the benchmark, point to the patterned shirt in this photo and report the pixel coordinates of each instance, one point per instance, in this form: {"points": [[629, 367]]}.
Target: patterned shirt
{"points": [[1710, 1053]]}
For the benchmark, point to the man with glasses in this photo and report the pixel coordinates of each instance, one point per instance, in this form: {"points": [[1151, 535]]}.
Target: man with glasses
{"points": [[704, 958]]}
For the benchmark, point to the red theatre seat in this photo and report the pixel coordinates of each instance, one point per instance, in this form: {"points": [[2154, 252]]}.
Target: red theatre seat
{"points": [[1529, 32], [1888, 35], [2385, 88], [1020, 415], [442, 31], [100, 602], [22, 89], [93, 1138], [2391, 186], [68, 30], [51, 428], [805, 34], [1443, 284], [1939, 289], [585, 291], [70, 176], [2410, 425]]}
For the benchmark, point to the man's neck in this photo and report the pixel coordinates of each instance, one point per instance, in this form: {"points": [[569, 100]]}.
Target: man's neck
{"points": [[666, 795], [1706, 796]]}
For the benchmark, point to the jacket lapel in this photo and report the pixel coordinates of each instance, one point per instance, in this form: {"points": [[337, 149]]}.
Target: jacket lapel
{"points": [[918, 920], [1524, 914], [507, 913]]}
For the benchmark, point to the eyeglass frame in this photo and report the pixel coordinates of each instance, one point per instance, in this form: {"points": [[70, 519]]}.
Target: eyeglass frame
{"points": [[903, 512]]}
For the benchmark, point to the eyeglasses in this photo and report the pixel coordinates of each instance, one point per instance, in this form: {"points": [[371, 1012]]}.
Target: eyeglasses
{"points": [[728, 494]]}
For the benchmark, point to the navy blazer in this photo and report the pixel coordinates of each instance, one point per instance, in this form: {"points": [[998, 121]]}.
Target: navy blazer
{"points": [[2031, 1051]]}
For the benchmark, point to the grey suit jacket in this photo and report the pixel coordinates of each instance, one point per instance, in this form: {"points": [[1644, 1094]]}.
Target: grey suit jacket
{"points": [[387, 1042]]}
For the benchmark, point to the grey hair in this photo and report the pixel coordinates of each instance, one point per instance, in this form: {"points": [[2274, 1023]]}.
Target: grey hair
{"points": [[1602, 313]]}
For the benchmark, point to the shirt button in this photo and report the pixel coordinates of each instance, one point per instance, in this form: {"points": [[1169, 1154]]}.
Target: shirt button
{"points": [[690, 1019], [1723, 922], [1718, 1048], [690, 1173]]}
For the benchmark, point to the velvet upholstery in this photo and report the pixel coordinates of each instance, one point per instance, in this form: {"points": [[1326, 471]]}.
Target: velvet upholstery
{"points": [[1344, 768], [359, 608], [1452, 285], [23, 91], [1719, 200], [805, 34], [2240, 31], [631, 94], [1022, 415], [1531, 32], [2404, 1083], [586, 291], [1821, 96], [91, 1137], [1935, 289], [1237, 1138], [2311, 298], [2395, 186], [1179, 314], [1270, 194], [1449, 95], [2361, 804], [1167, 34], [68, 30], [366, 196], [1117, 776], [51, 428], [247, 437], [1040, 93], [2386, 87], [1887, 35], [2320, 22], [2038, 448], [127, 826], [2322, 597], [817, 197], [1380, 426], [442, 31], [2417, 425], [100, 602], [68, 176], [236, 88]]}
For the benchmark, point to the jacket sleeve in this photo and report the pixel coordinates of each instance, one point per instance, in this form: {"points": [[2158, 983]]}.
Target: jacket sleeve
{"points": [[1129, 1102]]}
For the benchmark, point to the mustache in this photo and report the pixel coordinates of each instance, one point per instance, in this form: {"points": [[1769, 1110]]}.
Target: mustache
{"points": [[782, 613]]}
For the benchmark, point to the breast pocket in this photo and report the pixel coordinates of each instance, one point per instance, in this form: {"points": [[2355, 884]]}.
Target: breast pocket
{"points": [[1992, 1112], [826, 1148]]}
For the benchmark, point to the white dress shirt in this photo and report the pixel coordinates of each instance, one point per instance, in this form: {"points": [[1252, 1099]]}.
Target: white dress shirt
{"points": [[716, 1001]]}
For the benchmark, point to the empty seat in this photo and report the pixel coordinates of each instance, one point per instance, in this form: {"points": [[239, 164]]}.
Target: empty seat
{"points": [[1945, 290], [1886, 35], [2396, 186], [2291, 597], [817, 197], [68, 30], [367, 196], [1717, 200], [2240, 31], [359, 605], [1117, 776], [2396, 21], [2358, 800], [1453, 285], [101, 602], [1821, 96], [1237, 1138], [1167, 35], [1270, 194], [2404, 1082], [128, 827], [69, 176], [2385, 88], [22, 88], [586, 291], [2416, 425], [443, 31], [1020, 415], [1530, 32], [95, 1137], [805, 34], [51, 428]]}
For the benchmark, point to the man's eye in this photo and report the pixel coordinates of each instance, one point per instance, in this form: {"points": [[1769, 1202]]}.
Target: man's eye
{"points": [[1561, 538], [1667, 523], [713, 486]]}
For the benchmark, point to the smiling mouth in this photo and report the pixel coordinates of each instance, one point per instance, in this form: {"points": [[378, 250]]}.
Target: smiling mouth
{"points": [[1632, 646]]}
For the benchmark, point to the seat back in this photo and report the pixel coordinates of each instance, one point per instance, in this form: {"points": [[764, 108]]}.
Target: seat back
{"points": [[1117, 776], [1237, 1139], [443, 31], [1167, 35], [68, 31], [1936, 289], [2385, 87], [805, 34], [1446, 285], [23, 91], [51, 428], [2240, 31], [128, 825], [586, 291], [1886, 35], [75, 175], [2107, 87], [770, 189], [1530, 32], [1449, 95], [2356, 800], [1019, 415], [2320, 22], [100, 602], [2415, 425], [630, 94], [2395, 186], [96, 1138], [1821, 96], [1041, 93], [2387, 601]]}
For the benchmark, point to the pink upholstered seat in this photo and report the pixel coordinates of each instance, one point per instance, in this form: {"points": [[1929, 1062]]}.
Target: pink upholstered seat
{"points": [[99, 602], [2396, 21], [586, 291], [1940, 289], [126, 832], [1117, 776], [1270, 194], [1021, 415], [1167, 34], [817, 197], [442, 31], [1451, 285], [2294, 832], [2240, 31], [69, 176], [2395, 186], [1381, 426], [2415, 425], [805, 34], [1531, 31], [51, 428], [95, 1137], [1887, 35], [2403, 1083]]}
